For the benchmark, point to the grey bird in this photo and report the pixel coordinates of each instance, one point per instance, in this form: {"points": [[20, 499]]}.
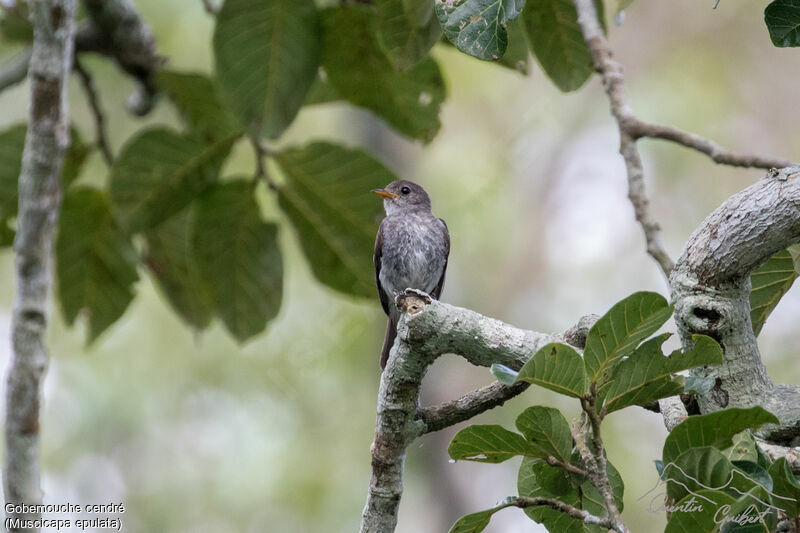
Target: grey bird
{"points": [[411, 250]]}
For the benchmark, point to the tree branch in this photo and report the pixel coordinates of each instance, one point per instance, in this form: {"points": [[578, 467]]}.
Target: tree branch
{"points": [[711, 288], [574, 512], [632, 129], [93, 97], [428, 329], [468, 406], [116, 30], [46, 141]]}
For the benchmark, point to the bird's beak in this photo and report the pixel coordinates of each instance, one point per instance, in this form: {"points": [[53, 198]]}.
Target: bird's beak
{"points": [[383, 193]]}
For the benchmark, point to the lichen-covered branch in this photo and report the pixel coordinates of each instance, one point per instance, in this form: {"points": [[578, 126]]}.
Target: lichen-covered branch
{"points": [[428, 329], [46, 140], [711, 288], [117, 31], [470, 405]]}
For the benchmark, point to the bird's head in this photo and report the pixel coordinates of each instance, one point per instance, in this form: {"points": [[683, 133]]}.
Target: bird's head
{"points": [[403, 195]]}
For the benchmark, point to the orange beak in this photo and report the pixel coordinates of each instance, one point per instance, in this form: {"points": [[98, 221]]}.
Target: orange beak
{"points": [[383, 193]]}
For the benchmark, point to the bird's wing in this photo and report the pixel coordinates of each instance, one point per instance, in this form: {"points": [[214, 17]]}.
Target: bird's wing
{"points": [[376, 258], [437, 291]]}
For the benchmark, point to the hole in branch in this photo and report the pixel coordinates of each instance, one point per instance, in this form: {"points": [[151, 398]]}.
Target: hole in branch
{"points": [[707, 314]]}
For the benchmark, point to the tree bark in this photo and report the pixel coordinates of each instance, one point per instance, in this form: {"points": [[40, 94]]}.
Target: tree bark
{"points": [[39, 199], [711, 287]]}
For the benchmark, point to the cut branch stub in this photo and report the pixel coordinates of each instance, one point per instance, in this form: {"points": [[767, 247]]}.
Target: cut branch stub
{"points": [[711, 288]]}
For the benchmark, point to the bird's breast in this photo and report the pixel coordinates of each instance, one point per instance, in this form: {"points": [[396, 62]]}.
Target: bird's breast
{"points": [[413, 255]]}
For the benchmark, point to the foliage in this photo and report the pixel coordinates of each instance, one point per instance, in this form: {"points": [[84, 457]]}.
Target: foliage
{"points": [[271, 58], [619, 369]]}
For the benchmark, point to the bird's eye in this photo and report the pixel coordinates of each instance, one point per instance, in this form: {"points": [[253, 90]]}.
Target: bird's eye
{"points": [[405, 190]]}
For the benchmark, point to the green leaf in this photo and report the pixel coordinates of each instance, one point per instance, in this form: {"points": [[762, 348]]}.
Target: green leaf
{"points": [[488, 444], [73, 159], [328, 200], [266, 54], [95, 262], [697, 512], [478, 27], [547, 432], [622, 5], [504, 375], [753, 511], [15, 25], [407, 30], [743, 448], [621, 330], [557, 42], [646, 376], [770, 282], [785, 487], [557, 367], [159, 172], [171, 259], [356, 66], [238, 258], [713, 429], [754, 472], [696, 469], [321, 91], [517, 53], [477, 522], [783, 22], [196, 98]]}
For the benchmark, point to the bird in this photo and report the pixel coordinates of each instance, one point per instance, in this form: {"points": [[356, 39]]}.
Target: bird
{"points": [[411, 251]]}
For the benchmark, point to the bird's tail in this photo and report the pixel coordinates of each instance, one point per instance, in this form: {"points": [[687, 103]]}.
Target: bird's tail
{"points": [[388, 341]]}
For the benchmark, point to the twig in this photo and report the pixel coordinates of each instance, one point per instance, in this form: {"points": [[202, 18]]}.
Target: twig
{"points": [[632, 129], [93, 97], [16, 71], [598, 469], [574, 512], [46, 141], [262, 151], [613, 81], [476, 402], [552, 461]]}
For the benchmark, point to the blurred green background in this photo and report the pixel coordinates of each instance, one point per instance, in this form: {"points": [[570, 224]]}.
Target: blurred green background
{"points": [[195, 433]]}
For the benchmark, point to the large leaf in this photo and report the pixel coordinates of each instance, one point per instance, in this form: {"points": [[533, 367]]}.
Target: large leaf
{"points": [[697, 512], [266, 54], [327, 198], [170, 258], [478, 27], [196, 98], [557, 42], [547, 432], [238, 258], [621, 330], [95, 262], [159, 172], [744, 448], [556, 367], [696, 469], [785, 487], [517, 54], [407, 30], [783, 22], [713, 429], [770, 282], [489, 444], [356, 66], [646, 375], [477, 522]]}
